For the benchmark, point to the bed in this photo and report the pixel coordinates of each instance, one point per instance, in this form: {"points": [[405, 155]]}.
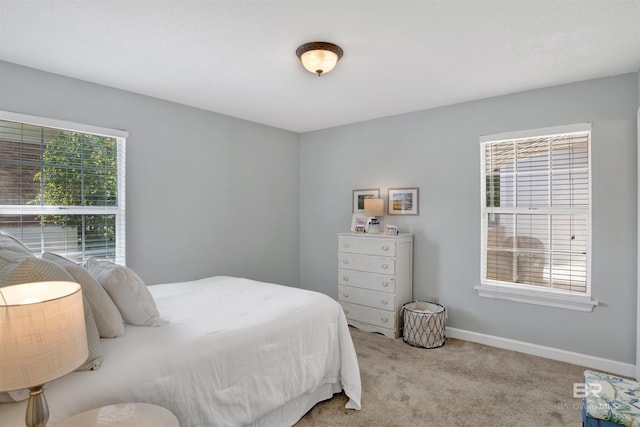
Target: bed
{"points": [[231, 352]]}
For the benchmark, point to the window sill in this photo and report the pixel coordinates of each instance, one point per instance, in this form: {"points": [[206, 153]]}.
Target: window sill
{"points": [[532, 295]]}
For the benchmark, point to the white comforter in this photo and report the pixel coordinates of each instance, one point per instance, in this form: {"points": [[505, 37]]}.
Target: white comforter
{"points": [[234, 352]]}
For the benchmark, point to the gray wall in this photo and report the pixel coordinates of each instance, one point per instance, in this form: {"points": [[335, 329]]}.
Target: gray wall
{"points": [[207, 194], [438, 151]]}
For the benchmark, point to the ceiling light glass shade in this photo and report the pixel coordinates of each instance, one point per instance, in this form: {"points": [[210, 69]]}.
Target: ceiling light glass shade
{"points": [[319, 57]]}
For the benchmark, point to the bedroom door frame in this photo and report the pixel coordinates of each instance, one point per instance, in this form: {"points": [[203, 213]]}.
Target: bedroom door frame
{"points": [[638, 253]]}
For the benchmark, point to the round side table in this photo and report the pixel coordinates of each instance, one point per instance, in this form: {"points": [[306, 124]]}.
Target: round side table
{"points": [[123, 415]]}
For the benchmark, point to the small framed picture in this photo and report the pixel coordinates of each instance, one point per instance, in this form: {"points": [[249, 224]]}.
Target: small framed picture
{"points": [[403, 201], [360, 195], [358, 223], [391, 229]]}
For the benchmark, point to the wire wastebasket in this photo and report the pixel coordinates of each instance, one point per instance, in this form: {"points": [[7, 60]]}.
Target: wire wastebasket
{"points": [[424, 324]]}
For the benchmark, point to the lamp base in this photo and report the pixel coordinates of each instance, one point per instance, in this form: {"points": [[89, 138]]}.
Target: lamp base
{"points": [[37, 408], [373, 226]]}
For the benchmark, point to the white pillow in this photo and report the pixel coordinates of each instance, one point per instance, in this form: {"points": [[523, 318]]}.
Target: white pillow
{"points": [[127, 290], [108, 318]]}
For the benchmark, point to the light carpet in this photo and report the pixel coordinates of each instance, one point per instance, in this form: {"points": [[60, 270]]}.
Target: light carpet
{"points": [[459, 384]]}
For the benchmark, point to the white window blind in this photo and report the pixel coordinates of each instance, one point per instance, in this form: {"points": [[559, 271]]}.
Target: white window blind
{"points": [[62, 187], [536, 211]]}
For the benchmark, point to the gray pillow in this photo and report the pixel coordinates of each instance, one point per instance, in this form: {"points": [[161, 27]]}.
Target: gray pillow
{"points": [[12, 244], [16, 268], [108, 319]]}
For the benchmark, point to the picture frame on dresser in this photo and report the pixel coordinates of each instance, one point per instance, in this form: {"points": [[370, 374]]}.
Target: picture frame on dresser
{"points": [[390, 229], [403, 201], [358, 223], [360, 195]]}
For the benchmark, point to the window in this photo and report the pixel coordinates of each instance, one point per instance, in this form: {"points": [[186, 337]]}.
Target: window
{"points": [[536, 217], [62, 186]]}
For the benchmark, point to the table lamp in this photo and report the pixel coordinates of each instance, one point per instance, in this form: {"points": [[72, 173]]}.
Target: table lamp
{"points": [[42, 337], [372, 209]]}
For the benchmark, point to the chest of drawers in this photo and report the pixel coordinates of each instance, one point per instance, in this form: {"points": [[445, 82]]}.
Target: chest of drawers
{"points": [[375, 279]]}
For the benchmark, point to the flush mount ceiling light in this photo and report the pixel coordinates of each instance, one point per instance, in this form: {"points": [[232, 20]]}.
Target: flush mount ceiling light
{"points": [[319, 57]]}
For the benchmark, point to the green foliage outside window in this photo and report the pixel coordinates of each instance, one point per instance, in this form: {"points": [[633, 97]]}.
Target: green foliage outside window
{"points": [[493, 190], [80, 170]]}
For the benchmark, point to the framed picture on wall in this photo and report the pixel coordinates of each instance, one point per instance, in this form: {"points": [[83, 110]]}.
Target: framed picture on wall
{"points": [[360, 195], [403, 201]]}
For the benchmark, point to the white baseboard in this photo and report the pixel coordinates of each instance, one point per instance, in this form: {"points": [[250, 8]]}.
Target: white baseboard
{"points": [[592, 362]]}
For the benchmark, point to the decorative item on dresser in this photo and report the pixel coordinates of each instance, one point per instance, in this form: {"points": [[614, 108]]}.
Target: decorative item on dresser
{"points": [[375, 279], [373, 208]]}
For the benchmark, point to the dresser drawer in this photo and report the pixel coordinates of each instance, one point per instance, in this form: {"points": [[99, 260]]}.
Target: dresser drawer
{"points": [[371, 264], [360, 279], [365, 297], [373, 316], [367, 245]]}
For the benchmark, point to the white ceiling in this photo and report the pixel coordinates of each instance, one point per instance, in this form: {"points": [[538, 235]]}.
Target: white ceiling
{"points": [[237, 57]]}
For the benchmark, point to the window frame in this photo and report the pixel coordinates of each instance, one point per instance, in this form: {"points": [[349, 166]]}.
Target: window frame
{"points": [[524, 293], [118, 210]]}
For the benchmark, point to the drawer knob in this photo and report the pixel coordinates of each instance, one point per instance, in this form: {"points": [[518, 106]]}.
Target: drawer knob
{"points": [[346, 295], [346, 245], [345, 278], [384, 302], [345, 261], [385, 266], [385, 248], [384, 320], [346, 312], [385, 284]]}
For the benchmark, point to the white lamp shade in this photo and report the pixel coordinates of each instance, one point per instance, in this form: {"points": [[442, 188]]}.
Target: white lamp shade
{"points": [[42, 333], [373, 207]]}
